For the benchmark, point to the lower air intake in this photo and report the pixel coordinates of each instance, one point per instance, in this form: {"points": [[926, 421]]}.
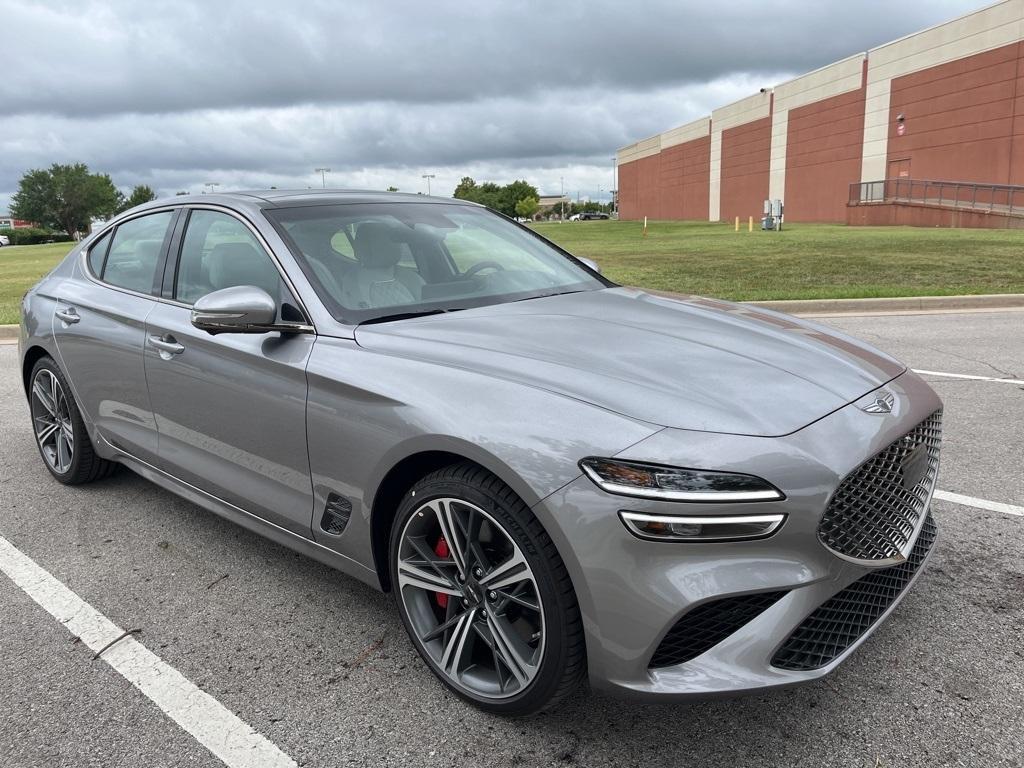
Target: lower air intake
{"points": [[847, 615], [709, 624]]}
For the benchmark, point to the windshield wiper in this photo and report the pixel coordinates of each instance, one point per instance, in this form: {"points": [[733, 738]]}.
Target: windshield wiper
{"points": [[408, 315], [556, 293]]}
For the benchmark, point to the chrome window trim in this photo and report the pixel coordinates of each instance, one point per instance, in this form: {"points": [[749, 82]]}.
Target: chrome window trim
{"points": [[83, 258], [83, 253]]}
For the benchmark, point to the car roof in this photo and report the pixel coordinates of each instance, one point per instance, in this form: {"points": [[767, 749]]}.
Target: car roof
{"points": [[289, 198]]}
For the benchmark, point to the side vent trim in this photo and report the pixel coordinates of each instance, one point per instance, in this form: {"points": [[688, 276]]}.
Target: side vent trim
{"points": [[337, 512]]}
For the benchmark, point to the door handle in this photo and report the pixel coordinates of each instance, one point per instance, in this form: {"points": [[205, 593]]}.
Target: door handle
{"points": [[69, 315], [167, 345]]}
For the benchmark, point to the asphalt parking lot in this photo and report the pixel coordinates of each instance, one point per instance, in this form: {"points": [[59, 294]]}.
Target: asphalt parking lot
{"points": [[319, 664]]}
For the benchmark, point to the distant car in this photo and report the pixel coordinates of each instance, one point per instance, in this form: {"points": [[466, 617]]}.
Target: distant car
{"points": [[575, 217], [4, 240], [591, 215]]}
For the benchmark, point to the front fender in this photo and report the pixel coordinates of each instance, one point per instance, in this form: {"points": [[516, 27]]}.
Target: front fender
{"points": [[369, 411]]}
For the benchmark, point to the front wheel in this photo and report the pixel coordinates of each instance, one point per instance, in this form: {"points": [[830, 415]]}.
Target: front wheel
{"points": [[483, 594]]}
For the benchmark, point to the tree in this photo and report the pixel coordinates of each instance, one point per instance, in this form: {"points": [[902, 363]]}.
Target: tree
{"points": [[502, 199], [511, 194], [465, 190], [139, 195], [392, 189], [527, 207], [65, 197]]}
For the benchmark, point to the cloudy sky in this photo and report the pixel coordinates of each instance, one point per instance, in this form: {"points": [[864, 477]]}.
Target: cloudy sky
{"points": [[252, 93]]}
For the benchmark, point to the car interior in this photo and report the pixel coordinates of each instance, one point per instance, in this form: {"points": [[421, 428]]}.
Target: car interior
{"points": [[367, 262]]}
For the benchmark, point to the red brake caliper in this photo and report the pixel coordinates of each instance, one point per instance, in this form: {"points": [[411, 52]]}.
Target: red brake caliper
{"points": [[441, 550]]}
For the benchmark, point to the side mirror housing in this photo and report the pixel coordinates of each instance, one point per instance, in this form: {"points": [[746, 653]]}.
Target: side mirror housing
{"points": [[240, 309], [590, 263]]}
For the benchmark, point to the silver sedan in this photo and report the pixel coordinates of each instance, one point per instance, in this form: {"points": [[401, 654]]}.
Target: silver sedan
{"points": [[556, 477]]}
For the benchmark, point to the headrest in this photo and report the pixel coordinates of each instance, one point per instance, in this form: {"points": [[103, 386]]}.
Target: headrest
{"points": [[148, 251], [312, 240], [230, 264], [375, 245]]}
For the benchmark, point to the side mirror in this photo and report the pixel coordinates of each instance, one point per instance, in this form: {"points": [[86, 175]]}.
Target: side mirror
{"points": [[240, 309], [590, 263]]}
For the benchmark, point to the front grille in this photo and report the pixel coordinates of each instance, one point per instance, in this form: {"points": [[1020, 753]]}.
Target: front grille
{"points": [[709, 624], [848, 614], [873, 514]]}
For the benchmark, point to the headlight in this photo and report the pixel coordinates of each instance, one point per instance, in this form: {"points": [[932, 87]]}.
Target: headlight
{"points": [[650, 481]]}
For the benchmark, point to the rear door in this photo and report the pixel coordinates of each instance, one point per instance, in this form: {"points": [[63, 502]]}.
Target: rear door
{"points": [[99, 327], [230, 408]]}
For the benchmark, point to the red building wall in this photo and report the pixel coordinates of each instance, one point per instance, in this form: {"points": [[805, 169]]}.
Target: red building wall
{"points": [[744, 179], [964, 121], [648, 196], [629, 180], [823, 157], [670, 185], [684, 181], [696, 178]]}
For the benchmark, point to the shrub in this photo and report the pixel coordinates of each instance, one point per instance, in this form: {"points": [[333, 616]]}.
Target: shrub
{"points": [[33, 236]]}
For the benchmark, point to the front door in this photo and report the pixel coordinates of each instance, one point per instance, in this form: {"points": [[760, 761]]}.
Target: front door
{"points": [[231, 408], [99, 327], [898, 178]]}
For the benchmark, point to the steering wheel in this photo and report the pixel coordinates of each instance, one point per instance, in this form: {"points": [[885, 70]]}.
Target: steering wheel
{"points": [[480, 265]]}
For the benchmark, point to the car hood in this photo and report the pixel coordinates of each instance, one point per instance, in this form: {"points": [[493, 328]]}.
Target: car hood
{"points": [[692, 363]]}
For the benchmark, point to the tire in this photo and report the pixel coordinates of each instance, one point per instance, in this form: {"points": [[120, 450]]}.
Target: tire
{"points": [[80, 464], [523, 585]]}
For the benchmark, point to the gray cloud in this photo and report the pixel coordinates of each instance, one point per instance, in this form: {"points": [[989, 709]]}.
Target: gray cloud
{"points": [[175, 93]]}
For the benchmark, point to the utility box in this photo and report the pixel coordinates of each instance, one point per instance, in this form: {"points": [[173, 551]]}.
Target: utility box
{"points": [[773, 215]]}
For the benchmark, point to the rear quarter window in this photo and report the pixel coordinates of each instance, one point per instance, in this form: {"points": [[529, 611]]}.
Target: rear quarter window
{"points": [[97, 253]]}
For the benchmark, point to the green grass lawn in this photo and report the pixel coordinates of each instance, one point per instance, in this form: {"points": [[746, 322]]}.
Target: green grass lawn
{"points": [[20, 267], [804, 261]]}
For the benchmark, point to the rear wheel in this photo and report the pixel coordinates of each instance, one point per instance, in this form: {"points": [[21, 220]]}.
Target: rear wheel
{"points": [[483, 594], [59, 430]]}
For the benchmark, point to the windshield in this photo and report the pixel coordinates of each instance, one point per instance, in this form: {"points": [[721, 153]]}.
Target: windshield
{"points": [[377, 261]]}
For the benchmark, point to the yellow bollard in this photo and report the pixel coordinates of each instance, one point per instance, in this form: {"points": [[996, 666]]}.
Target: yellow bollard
{"points": [[737, 223], [750, 224], [645, 227]]}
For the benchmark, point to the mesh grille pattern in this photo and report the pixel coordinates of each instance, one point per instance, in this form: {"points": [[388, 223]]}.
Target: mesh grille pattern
{"points": [[873, 514], [846, 616], [709, 624]]}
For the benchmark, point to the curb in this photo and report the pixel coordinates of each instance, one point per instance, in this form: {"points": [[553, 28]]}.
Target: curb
{"points": [[8, 332], [910, 304]]}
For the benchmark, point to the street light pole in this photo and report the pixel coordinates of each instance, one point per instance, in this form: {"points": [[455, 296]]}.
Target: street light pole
{"points": [[428, 177], [323, 176], [561, 185]]}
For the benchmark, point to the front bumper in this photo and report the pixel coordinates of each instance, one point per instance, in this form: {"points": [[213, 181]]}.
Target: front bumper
{"points": [[632, 592]]}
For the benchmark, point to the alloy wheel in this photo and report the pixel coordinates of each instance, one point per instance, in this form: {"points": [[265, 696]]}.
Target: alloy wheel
{"points": [[471, 598], [51, 421]]}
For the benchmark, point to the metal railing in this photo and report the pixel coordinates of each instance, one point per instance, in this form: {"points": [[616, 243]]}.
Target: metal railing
{"points": [[995, 198]]}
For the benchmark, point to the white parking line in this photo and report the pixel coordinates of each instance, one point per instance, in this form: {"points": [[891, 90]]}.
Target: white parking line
{"points": [[966, 376], [970, 501], [201, 715]]}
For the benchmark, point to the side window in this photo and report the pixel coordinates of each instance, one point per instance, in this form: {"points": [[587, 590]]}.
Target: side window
{"points": [[134, 252], [97, 253], [218, 251], [341, 244]]}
